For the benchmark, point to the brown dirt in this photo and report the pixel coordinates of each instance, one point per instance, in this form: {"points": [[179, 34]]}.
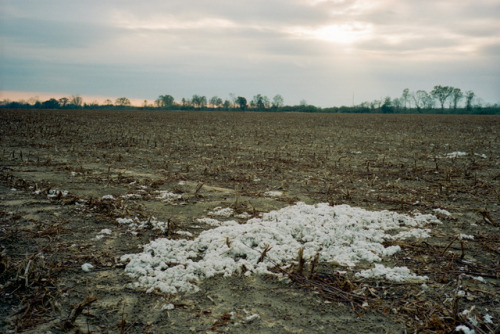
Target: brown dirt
{"points": [[57, 165]]}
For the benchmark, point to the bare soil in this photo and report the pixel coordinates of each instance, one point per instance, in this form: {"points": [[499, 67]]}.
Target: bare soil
{"points": [[56, 166]]}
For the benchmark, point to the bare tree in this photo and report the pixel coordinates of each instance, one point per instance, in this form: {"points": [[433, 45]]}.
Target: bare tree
{"points": [[215, 101], [419, 98], [63, 101], [405, 97], [123, 102], [76, 100], [277, 101], [456, 96], [469, 96], [442, 93]]}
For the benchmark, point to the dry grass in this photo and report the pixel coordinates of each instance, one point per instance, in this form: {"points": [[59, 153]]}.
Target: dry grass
{"points": [[395, 162]]}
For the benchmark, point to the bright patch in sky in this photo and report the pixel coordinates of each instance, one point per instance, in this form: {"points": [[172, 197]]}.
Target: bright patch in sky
{"points": [[337, 33]]}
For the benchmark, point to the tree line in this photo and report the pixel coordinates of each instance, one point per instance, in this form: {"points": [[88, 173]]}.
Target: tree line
{"points": [[441, 99]]}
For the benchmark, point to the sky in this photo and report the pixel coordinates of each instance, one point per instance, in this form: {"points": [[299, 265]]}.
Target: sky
{"points": [[324, 52]]}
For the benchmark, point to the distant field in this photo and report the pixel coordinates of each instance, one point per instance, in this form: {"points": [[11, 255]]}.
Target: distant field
{"points": [[68, 175]]}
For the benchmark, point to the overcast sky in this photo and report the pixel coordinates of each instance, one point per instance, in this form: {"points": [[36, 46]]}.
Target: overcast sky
{"points": [[320, 51]]}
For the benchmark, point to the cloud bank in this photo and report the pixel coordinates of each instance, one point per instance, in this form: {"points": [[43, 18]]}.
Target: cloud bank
{"points": [[318, 50]]}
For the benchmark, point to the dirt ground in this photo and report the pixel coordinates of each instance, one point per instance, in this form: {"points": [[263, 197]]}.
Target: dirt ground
{"points": [[58, 168]]}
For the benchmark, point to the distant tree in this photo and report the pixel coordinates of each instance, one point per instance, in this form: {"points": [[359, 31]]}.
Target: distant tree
{"points": [[76, 101], [427, 100], [33, 100], [241, 102], [456, 96], [376, 105], [164, 101], [122, 102], [397, 104], [303, 103], [442, 93], [260, 102], [277, 101], [199, 101], [469, 96], [216, 101], [232, 99], [63, 101], [203, 101], [405, 97], [92, 105], [226, 104], [196, 100], [387, 106], [50, 104], [108, 102], [418, 98]]}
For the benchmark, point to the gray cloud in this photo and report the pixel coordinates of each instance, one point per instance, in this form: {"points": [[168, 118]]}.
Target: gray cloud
{"points": [[320, 51]]}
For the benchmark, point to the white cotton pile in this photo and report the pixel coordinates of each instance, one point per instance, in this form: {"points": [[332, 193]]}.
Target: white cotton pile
{"points": [[341, 233]]}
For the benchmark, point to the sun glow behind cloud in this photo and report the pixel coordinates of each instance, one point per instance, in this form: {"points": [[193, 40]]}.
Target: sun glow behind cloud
{"points": [[336, 33]]}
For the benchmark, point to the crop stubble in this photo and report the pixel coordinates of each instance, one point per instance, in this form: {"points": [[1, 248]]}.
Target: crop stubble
{"points": [[62, 163]]}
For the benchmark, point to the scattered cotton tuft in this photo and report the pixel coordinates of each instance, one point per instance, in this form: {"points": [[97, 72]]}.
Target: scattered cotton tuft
{"points": [[252, 318], [464, 329], [343, 234], [136, 224], [273, 193], [132, 196], [186, 233], [110, 197], [168, 196], [87, 267], [221, 212], [167, 307], [103, 233], [442, 212], [396, 274], [455, 155]]}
